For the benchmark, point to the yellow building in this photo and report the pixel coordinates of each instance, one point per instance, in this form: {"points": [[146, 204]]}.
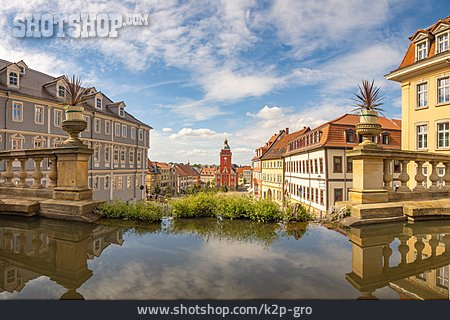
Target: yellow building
{"points": [[424, 77], [272, 166]]}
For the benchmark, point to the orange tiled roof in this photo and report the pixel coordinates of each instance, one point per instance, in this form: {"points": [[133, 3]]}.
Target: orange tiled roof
{"points": [[242, 169], [278, 148], [409, 57], [208, 171], [332, 133]]}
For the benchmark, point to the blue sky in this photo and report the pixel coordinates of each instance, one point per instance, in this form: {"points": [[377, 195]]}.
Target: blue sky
{"points": [[203, 70]]}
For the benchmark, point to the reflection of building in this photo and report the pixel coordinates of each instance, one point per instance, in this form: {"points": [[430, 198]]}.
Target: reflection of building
{"points": [[32, 115], [226, 175], [53, 248], [423, 269], [424, 77], [317, 171], [161, 175]]}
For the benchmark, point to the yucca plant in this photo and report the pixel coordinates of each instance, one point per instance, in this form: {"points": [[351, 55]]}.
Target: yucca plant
{"points": [[368, 98], [74, 91]]}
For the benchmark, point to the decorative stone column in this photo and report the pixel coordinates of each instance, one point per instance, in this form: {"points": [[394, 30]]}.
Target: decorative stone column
{"points": [[72, 173]]}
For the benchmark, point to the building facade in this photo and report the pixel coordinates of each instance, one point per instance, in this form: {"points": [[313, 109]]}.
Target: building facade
{"points": [[244, 175], [272, 164], [161, 177], [186, 178], [32, 105], [317, 171], [424, 75], [207, 175], [226, 175]]}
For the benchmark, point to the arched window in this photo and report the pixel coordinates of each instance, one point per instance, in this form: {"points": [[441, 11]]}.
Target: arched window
{"points": [[17, 141], [13, 79], [349, 136], [39, 142], [58, 142]]}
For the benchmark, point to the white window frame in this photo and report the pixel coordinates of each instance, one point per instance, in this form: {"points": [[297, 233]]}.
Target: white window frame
{"points": [[107, 127], [14, 104], [97, 125], [446, 134], [58, 91], [116, 152], [55, 117], [123, 152], [96, 183], [133, 133], [444, 88], [422, 95], [124, 130], [88, 121], [442, 43], [122, 112], [106, 182], [97, 152], [18, 139], [141, 134], [117, 129], [131, 157], [36, 108], [40, 140], [96, 103], [424, 135], [107, 154], [421, 49], [16, 78]]}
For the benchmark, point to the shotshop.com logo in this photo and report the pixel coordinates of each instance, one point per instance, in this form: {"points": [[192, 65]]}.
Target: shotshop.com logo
{"points": [[78, 25]]}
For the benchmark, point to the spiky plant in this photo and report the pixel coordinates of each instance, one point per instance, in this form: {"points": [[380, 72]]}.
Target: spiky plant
{"points": [[74, 91], [368, 97]]}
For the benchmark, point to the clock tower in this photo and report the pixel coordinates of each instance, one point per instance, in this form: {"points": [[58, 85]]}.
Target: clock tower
{"points": [[226, 174]]}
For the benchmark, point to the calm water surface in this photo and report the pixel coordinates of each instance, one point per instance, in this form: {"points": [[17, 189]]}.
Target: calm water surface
{"points": [[196, 259]]}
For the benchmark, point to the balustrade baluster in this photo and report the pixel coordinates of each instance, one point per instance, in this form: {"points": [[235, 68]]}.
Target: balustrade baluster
{"points": [[403, 248], [404, 177], [23, 173], [52, 175], [419, 245], [447, 177], [433, 242], [9, 174], [419, 177], [434, 177], [37, 174], [387, 176]]}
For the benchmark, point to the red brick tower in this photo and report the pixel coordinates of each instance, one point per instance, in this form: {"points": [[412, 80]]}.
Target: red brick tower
{"points": [[226, 175]]}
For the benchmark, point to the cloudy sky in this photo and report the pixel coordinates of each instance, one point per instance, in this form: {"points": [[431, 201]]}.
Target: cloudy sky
{"points": [[202, 70]]}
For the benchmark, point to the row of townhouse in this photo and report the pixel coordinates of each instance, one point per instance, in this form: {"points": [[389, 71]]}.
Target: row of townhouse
{"points": [[310, 166], [170, 178], [31, 103]]}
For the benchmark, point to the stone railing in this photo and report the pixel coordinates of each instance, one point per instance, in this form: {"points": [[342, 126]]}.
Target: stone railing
{"points": [[67, 174], [23, 157], [373, 175]]}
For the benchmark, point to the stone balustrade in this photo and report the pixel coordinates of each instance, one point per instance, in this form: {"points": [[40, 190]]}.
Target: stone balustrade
{"points": [[373, 177], [37, 156]]}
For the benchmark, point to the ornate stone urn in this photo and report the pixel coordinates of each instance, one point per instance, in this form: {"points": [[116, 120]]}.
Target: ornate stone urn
{"points": [[368, 127], [73, 128]]}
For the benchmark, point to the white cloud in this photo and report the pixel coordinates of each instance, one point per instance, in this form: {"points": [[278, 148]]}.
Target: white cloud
{"points": [[189, 133], [166, 130]]}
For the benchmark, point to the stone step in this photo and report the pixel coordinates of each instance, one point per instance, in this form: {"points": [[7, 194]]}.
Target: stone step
{"points": [[20, 207]]}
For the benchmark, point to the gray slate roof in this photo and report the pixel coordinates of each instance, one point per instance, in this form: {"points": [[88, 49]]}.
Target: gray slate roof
{"points": [[32, 85]]}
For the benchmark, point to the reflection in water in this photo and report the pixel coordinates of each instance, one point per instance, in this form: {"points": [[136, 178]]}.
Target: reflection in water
{"points": [[31, 248], [211, 259], [421, 270]]}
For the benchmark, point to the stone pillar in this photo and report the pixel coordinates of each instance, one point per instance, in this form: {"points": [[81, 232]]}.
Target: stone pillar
{"points": [[368, 184], [72, 174]]}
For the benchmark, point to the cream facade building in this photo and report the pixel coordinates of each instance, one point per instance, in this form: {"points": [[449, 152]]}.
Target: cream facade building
{"points": [[424, 76]]}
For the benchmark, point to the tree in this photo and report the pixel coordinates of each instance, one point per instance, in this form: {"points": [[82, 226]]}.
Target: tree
{"points": [[157, 189]]}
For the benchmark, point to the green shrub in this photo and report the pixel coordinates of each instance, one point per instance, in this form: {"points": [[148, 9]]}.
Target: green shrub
{"points": [[194, 206], [142, 211], [297, 212], [265, 210], [234, 207]]}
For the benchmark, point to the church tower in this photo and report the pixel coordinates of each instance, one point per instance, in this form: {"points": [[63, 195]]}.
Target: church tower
{"points": [[226, 175]]}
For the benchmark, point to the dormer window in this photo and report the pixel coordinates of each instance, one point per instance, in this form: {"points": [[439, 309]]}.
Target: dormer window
{"points": [[349, 136], [385, 138], [121, 112], [61, 91], [442, 43], [98, 103], [422, 51], [22, 70], [13, 79]]}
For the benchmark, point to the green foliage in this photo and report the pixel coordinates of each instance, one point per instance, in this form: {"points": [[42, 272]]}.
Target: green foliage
{"points": [[142, 211], [223, 189], [157, 190], [265, 210], [225, 206], [297, 212], [196, 205]]}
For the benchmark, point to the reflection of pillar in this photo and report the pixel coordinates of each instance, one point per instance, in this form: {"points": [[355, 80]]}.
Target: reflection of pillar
{"points": [[37, 243], [367, 261], [403, 248], [433, 242], [419, 245], [387, 252], [22, 241], [446, 241]]}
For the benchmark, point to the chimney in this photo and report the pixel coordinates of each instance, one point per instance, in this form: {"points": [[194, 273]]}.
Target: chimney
{"points": [[287, 130]]}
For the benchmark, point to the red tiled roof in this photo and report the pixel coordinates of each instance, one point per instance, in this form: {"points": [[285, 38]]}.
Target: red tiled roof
{"points": [[409, 57], [208, 171], [242, 169], [332, 133], [278, 148], [186, 170]]}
